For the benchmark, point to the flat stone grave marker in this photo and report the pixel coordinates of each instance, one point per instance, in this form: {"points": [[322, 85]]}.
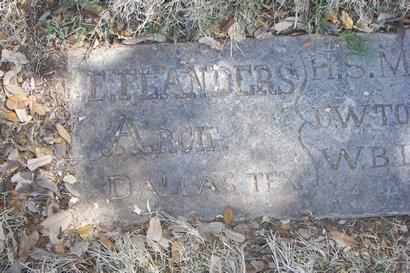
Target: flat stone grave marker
{"points": [[268, 127]]}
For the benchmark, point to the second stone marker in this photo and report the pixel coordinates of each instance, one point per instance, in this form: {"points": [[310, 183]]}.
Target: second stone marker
{"points": [[274, 129]]}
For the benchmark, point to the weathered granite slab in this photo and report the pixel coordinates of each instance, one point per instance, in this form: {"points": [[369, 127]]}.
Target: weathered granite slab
{"points": [[274, 129]]}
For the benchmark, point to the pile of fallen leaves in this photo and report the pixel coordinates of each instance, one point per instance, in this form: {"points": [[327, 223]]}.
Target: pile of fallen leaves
{"points": [[38, 186], [267, 21], [167, 244], [34, 189], [83, 23]]}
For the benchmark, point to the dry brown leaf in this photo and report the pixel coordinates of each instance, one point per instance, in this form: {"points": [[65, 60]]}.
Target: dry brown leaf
{"points": [[56, 222], [228, 216], [44, 150], [342, 239], [85, 231], [31, 206], [55, 140], [45, 181], [16, 203], [387, 17], [234, 236], [308, 42], [212, 227], [22, 180], [154, 232], [330, 18], [384, 243], [13, 88], [346, 20], [59, 249], [22, 115], [176, 249], [283, 26], [32, 104], [27, 244], [17, 101], [63, 132], [94, 8], [255, 266], [284, 228], [35, 163], [11, 116], [14, 57], [10, 77], [13, 155], [211, 42], [72, 190], [138, 241], [96, 43], [40, 254], [79, 248], [69, 178], [164, 243], [237, 32], [304, 233], [145, 38], [107, 242], [262, 35], [40, 109], [289, 24]]}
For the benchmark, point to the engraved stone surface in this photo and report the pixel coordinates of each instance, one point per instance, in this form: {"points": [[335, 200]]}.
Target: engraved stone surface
{"points": [[264, 127]]}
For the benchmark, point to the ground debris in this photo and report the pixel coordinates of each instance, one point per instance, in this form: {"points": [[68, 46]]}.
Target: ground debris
{"points": [[38, 162], [154, 232], [35, 218], [63, 132]]}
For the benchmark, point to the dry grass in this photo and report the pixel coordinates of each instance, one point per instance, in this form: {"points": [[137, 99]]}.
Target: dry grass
{"points": [[11, 228], [382, 245], [14, 24]]}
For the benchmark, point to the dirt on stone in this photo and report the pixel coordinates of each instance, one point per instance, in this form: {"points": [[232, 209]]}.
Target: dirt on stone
{"points": [[36, 231]]}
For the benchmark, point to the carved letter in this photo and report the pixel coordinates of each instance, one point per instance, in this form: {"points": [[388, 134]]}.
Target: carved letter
{"points": [[209, 142], [327, 64], [383, 107], [144, 86], [124, 85], [207, 182], [219, 91], [394, 69], [350, 114], [202, 71], [266, 81], [129, 132], [403, 155], [279, 73], [272, 177], [164, 181], [95, 94], [381, 155], [164, 136], [343, 153], [189, 138], [193, 81], [254, 176], [148, 187], [172, 79], [359, 68], [397, 114], [239, 81], [119, 187]]}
